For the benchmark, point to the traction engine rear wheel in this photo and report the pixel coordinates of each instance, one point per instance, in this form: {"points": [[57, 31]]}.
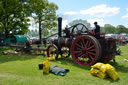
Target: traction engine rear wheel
{"points": [[86, 50]]}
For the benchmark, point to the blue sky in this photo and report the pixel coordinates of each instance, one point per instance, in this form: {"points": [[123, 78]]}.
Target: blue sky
{"points": [[114, 12]]}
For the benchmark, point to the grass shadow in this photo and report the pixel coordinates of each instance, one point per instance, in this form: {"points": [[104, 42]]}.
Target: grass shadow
{"points": [[119, 67], [69, 61], [112, 81]]}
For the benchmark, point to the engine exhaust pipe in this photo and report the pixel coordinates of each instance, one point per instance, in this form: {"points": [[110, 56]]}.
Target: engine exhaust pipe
{"points": [[59, 27]]}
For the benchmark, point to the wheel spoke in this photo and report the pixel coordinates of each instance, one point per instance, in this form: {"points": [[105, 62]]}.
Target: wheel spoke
{"points": [[92, 50], [92, 53], [90, 47], [79, 46], [82, 44], [86, 44], [90, 57], [80, 54], [77, 28], [77, 52], [82, 28], [89, 44]]}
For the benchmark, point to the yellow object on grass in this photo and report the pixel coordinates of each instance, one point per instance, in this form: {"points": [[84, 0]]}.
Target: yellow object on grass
{"points": [[111, 72], [98, 73], [102, 70], [51, 58], [100, 66], [46, 67]]}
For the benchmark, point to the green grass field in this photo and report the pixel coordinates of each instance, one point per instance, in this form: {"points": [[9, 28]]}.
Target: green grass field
{"points": [[23, 70]]}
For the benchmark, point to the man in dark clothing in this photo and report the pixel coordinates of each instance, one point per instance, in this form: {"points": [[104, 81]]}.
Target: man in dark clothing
{"points": [[67, 32], [97, 30]]}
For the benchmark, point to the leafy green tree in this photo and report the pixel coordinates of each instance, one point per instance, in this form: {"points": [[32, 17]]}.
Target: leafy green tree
{"points": [[121, 29], [13, 19], [50, 21], [44, 13], [102, 29], [109, 29]]}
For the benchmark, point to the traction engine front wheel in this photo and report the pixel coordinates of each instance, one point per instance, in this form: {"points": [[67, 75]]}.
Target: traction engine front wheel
{"points": [[52, 51]]}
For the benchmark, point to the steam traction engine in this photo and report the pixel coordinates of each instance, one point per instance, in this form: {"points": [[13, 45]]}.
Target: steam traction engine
{"points": [[82, 43]]}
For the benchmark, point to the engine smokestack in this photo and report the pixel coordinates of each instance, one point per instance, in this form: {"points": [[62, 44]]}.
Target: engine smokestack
{"points": [[59, 26]]}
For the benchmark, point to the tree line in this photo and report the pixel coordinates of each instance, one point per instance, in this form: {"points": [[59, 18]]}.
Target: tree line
{"points": [[109, 29]]}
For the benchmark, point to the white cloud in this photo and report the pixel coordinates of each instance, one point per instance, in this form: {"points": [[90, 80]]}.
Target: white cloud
{"points": [[101, 11], [101, 22], [98, 11], [70, 13], [125, 16], [127, 9], [64, 23]]}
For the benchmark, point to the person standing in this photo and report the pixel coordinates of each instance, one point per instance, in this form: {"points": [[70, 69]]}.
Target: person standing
{"points": [[97, 30]]}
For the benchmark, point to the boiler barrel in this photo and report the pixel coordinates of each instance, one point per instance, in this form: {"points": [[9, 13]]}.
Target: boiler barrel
{"points": [[63, 42]]}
